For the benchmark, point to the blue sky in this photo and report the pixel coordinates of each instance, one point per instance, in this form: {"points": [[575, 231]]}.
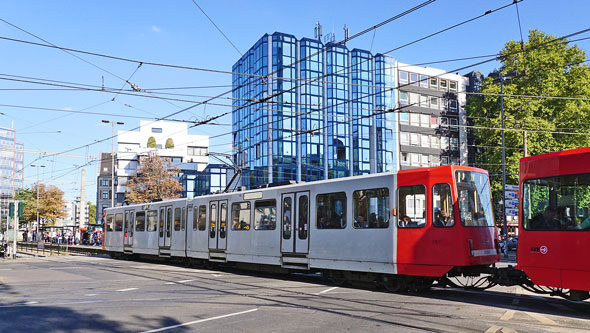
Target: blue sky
{"points": [[176, 32]]}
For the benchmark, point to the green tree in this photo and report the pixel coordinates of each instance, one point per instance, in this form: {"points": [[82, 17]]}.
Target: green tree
{"points": [[154, 180], [29, 198], [91, 213], [169, 143], [151, 142], [549, 68]]}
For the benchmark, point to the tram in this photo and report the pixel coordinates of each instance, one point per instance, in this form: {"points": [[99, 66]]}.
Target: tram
{"points": [[554, 238], [402, 230]]}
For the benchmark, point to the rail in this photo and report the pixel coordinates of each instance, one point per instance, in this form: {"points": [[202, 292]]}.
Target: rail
{"points": [[57, 249]]}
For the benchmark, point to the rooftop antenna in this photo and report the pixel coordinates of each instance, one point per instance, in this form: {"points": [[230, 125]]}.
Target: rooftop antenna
{"points": [[346, 34], [318, 31]]}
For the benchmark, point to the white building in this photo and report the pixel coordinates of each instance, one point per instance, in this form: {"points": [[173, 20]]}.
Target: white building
{"points": [[171, 141], [74, 215]]}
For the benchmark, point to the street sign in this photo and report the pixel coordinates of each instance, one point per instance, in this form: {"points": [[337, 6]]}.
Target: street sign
{"points": [[511, 212], [511, 195], [512, 203], [511, 188]]}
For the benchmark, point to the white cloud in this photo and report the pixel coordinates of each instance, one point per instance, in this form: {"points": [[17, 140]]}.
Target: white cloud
{"points": [[155, 28]]}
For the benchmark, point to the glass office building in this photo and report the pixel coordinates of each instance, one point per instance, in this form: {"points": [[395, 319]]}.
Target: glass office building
{"points": [[11, 168], [304, 110]]}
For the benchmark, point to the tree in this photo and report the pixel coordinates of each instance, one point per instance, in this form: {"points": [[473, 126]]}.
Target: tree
{"points": [[91, 213], [169, 143], [154, 181], [29, 198], [549, 68], [151, 142]]}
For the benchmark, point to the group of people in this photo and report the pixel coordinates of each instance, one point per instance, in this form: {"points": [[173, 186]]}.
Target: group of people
{"points": [[557, 219], [373, 221], [65, 237]]}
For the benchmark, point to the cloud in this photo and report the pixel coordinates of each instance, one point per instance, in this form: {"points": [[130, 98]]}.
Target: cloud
{"points": [[155, 28]]}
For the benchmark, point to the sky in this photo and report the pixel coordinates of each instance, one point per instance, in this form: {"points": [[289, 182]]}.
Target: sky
{"points": [[178, 33]]}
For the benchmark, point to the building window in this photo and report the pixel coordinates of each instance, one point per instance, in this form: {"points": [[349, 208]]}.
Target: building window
{"points": [[403, 97], [415, 159], [433, 122], [404, 118], [424, 141], [414, 79], [444, 143], [156, 130], [433, 83], [405, 159], [424, 81], [453, 105], [454, 143], [415, 99], [434, 102], [453, 85], [414, 139], [434, 160], [404, 138], [444, 160], [105, 194], [424, 160], [424, 120], [158, 146], [453, 124], [197, 151], [443, 85], [424, 101], [434, 141], [105, 182], [403, 77], [415, 119]]}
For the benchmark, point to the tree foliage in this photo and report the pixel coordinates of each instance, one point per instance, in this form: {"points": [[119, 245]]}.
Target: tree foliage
{"points": [[154, 181], [550, 68], [51, 203], [91, 213], [151, 142], [169, 143]]}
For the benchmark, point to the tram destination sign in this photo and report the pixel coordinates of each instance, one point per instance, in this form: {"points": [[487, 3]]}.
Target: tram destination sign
{"points": [[509, 187]]}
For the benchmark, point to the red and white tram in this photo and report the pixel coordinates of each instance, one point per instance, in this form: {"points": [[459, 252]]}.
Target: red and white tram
{"points": [[399, 229], [554, 235]]}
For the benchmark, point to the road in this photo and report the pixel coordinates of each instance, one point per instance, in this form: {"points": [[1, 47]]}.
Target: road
{"points": [[98, 294]]}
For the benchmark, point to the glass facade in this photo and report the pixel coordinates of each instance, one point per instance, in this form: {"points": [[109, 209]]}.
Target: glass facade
{"points": [[316, 112], [11, 167]]}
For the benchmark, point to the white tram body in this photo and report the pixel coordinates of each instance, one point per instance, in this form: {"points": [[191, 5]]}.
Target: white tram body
{"points": [[271, 226]]}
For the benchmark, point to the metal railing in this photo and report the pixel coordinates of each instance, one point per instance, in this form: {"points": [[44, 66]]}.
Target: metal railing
{"points": [[57, 249]]}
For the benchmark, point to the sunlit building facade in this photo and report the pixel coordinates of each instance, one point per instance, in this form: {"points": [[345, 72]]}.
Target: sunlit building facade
{"points": [[11, 168]]}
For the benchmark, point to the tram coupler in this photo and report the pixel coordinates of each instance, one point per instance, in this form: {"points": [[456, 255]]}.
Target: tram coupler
{"points": [[509, 276]]}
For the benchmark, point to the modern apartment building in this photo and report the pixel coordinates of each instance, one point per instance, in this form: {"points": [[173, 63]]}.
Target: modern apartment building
{"points": [[11, 168], [304, 110]]}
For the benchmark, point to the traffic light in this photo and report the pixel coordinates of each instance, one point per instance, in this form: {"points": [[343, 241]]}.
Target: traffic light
{"points": [[11, 209], [20, 208]]}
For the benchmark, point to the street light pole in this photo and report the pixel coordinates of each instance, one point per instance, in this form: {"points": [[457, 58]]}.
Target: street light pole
{"points": [[113, 158], [37, 166], [504, 223]]}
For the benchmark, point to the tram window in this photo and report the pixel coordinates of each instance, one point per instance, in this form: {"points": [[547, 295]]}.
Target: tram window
{"points": [[240, 215], [131, 220], [212, 220], [303, 216], [287, 217], [202, 217], [177, 218], [442, 206], [265, 215], [557, 203], [140, 221], [412, 206], [222, 219], [161, 221], [119, 222], [331, 210], [474, 199], [109, 223], [183, 219], [152, 219], [168, 222], [371, 208], [195, 217]]}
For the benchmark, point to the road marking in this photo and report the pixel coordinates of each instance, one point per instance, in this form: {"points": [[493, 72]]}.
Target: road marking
{"points": [[128, 289], [31, 302], [493, 329], [185, 281], [199, 321], [5, 269], [327, 290], [70, 267], [217, 275], [507, 315], [89, 295], [541, 318], [508, 330], [170, 283]]}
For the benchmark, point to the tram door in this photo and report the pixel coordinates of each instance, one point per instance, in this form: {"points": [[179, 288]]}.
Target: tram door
{"points": [[295, 223], [165, 226], [218, 225], [128, 227]]}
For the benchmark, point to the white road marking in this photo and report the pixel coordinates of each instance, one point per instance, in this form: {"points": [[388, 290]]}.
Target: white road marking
{"points": [[217, 275], [327, 290], [542, 319], [128, 289], [170, 283], [199, 321], [185, 281], [89, 295], [70, 267], [493, 329], [31, 302], [508, 330], [5, 269], [507, 315]]}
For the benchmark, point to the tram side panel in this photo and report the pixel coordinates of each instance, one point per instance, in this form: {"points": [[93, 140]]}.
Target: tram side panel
{"points": [[145, 239], [351, 225], [197, 237], [178, 228], [114, 229]]}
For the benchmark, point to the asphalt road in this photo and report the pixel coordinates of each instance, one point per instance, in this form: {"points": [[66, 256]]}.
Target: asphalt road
{"points": [[93, 294]]}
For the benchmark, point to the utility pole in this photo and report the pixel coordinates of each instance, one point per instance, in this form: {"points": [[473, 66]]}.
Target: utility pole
{"points": [[37, 166], [82, 200], [524, 144]]}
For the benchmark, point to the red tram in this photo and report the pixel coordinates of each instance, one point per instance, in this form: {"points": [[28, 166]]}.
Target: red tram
{"points": [[554, 236]]}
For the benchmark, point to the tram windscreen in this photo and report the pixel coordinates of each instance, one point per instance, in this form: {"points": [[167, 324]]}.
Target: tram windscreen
{"points": [[557, 203], [474, 198]]}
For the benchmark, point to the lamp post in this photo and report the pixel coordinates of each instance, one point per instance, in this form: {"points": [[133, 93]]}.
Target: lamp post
{"points": [[113, 158], [37, 166]]}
